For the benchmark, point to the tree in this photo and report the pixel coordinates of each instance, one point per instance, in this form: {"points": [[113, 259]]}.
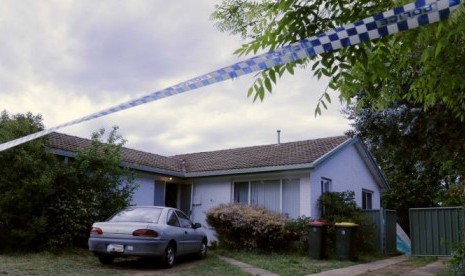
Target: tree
{"points": [[27, 180], [90, 188], [47, 203], [421, 152], [422, 65]]}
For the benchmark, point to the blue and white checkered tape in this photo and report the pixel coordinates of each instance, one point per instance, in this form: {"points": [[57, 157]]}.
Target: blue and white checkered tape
{"points": [[400, 19]]}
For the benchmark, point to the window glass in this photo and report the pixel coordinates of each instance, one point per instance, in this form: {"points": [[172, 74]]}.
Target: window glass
{"points": [[241, 192], [367, 200], [184, 220], [172, 219], [291, 197], [266, 194], [137, 214], [325, 185]]}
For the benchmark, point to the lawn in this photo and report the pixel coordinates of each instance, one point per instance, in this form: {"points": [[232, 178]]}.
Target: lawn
{"points": [[285, 263], [81, 262]]}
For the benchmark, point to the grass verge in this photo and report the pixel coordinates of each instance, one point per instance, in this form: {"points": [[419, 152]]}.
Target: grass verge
{"points": [[286, 263]]}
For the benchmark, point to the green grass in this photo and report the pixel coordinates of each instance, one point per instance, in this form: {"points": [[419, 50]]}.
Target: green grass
{"points": [[81, 262], [214, 266], [46, 263], [285, 263]]}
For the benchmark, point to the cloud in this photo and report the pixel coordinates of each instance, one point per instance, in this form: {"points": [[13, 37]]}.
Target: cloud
{"points": [[67, 59]]}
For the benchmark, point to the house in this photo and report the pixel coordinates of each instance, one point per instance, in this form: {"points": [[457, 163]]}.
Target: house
{"points": [[284, 177]]}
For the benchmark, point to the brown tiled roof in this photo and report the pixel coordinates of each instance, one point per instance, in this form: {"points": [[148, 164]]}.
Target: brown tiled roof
{"points": [[275, 155], [284, 154], [72, 144]]}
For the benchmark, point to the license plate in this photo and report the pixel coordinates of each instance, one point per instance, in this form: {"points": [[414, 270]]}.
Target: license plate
{"points": [[115, 248]]}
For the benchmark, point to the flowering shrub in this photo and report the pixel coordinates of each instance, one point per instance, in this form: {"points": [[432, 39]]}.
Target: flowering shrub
{"points": [[240, 226]]}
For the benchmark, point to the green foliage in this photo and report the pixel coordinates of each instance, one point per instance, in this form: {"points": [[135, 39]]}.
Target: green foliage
{"points": [[46, 203], [421, 153], [27, 174], [341, 207], [456, 265], [91, 188], [453, 196], [240, 226], [338, 207], [296, 230], [423, 66]]}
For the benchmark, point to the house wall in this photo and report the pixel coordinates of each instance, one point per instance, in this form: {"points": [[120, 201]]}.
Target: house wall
{"points": [[347, 171], [144, 195], [209, 192]]}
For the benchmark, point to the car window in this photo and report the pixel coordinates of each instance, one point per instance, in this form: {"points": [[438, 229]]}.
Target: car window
{"points": [[137, 214], [172, 219], [184, 220]]}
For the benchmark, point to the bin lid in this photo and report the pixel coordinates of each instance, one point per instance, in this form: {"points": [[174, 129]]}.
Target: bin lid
{"points": [[317, 223], [346, 224]]}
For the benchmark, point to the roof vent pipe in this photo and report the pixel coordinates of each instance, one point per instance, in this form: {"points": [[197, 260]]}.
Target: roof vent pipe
{"points": [[279, 136]]}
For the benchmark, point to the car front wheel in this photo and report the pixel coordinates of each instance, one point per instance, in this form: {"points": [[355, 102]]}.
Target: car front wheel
{"points": [[203, 250], [169, 258]]}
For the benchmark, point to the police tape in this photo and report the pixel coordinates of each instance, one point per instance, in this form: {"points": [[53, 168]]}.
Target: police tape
{"points": [[400, 19]]}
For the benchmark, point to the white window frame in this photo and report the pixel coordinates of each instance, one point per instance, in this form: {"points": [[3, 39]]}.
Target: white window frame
{"points": [[281, 180]]}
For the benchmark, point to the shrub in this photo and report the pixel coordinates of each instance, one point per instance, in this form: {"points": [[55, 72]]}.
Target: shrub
{"points": [[456, 265], [341, 207], [240, 226], [296, 232]]}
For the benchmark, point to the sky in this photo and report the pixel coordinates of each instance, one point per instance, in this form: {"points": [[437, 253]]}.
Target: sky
{"points": [[66, 59]]}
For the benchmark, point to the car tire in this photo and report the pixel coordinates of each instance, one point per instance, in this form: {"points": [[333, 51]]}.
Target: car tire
{"points": [[106, 259], [170, 256], [203, 249]]}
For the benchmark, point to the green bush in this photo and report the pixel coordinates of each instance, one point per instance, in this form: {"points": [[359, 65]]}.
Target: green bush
{"points": [[341, 207], [456, 265], [296, 233], [47, 203], [240, 226]]}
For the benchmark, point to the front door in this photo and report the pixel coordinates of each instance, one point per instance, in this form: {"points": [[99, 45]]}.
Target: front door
{"points": [[179, 196]]}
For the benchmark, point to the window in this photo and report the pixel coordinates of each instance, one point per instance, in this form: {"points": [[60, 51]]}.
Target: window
{"points": [[241, 192], [367, 199], [173, 219], [325, 185], [184, 220], [279, 195]]}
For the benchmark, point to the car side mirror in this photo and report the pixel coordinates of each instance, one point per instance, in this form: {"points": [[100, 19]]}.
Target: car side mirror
{"points": [[197, 225]]}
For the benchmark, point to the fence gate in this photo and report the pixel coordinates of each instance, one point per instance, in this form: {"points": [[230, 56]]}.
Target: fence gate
{"points": [[385, 229], [434, 231]]}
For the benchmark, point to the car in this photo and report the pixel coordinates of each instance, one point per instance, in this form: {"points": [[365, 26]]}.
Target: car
{"points": [[147, 231]]}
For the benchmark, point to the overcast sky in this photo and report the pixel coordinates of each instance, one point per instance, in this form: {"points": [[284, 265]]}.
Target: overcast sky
{"points": [[67, 59]]}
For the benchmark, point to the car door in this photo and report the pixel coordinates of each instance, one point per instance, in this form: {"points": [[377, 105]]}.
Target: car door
{"points": [[175, 231], [192, 238]]}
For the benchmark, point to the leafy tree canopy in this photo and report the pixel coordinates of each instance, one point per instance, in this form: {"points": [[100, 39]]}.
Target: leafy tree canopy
{"points": [[421, 152], [422, 65], [46, 202]]}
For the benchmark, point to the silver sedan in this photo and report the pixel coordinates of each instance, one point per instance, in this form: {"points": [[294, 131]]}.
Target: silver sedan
{"points": [[147, 231]]}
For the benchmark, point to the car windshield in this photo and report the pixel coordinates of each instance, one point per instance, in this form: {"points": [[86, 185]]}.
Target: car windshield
{"points": [[137, 215]]}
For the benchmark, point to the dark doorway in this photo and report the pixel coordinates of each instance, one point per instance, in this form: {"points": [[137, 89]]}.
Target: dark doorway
{"points": [[171, 195]]}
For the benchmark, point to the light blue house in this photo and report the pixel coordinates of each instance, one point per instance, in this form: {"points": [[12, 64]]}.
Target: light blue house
{"points": [[284, 177]]}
